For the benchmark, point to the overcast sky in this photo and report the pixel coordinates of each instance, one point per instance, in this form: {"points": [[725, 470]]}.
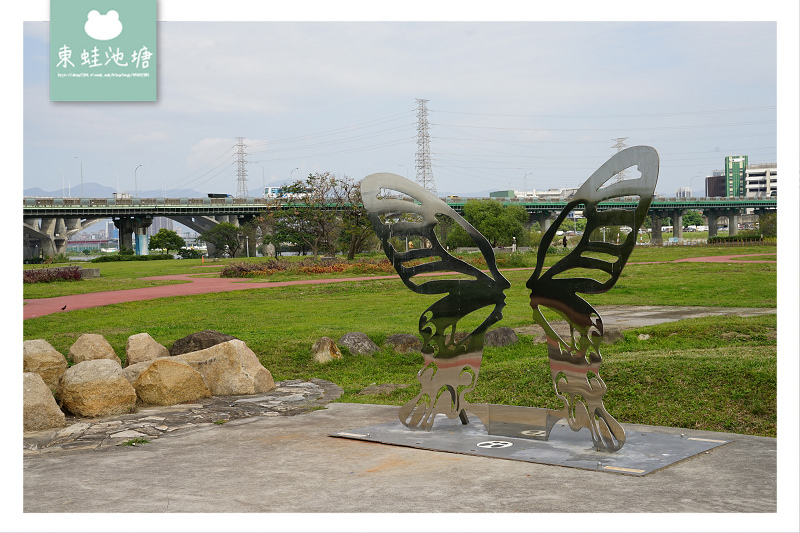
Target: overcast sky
{"points": [[511, 104]]}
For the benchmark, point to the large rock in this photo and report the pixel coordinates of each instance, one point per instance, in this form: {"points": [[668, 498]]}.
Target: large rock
{"points": [[169, 381], [612, 335], [96, 388], [132, 372], [142, 347], [500, 337], [39, 408], [230, 368], [404, 342], [40, 357], [325, 350], [91, 346], [199, 341], [358, 343]]}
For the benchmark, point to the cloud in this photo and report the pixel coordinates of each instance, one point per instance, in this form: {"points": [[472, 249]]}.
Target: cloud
{"points": [[156, 136], [103, 27], [210, 150]]}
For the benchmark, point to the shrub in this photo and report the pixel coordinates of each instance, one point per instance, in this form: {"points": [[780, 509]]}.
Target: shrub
{"points": [[190, 253], [306, 266], [743, 237], [252, 269], [47, 275], [515, 260], [124, 257]]}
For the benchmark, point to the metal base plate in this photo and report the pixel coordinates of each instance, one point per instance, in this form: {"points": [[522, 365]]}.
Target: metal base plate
{"points": [[643, 452]]}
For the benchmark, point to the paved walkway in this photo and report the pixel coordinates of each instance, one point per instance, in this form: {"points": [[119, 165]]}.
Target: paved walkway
{"points": [[196, 284], [291, 464]]}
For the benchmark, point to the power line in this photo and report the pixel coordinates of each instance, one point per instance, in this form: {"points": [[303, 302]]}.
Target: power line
{"points": [[584, 116]]}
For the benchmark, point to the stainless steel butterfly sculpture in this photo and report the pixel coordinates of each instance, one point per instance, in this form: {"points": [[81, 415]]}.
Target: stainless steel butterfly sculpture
{"points": [[399, 208]]}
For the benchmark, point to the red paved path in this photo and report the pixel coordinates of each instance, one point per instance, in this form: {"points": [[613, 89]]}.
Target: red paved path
{"points": [[197, 285]]}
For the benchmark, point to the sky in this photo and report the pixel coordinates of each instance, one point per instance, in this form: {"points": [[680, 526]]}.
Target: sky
{"points": [[524, 105]]}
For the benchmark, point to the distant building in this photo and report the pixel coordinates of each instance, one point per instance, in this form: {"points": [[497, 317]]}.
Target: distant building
{"points": [[715, 184], [740, 179], [158, 223], [503, 194], [683, 192], [761, 180], [548, 195], [735, 174]]}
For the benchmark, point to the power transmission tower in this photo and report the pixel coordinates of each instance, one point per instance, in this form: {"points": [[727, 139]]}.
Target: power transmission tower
{"points": [[620, 145], [423, 158], [241, 169]]}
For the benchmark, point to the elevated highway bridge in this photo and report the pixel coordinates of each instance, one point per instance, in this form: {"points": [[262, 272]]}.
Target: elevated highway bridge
{"points": [[49, 222]]}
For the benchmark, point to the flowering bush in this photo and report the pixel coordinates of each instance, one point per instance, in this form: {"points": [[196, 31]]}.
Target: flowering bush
{"points": [[306, 266], [47, 275]]}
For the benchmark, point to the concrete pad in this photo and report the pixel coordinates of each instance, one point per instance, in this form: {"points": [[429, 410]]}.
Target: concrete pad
{"points": [[642, 453], [292, 465]]}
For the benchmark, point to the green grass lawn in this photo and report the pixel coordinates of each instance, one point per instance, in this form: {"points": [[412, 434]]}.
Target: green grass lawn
{"points": [[716, 373]]}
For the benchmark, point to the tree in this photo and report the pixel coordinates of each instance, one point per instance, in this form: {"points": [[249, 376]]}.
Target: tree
{"points": [[166, 240], [324, 212], [223, 237], [356, 230], [768, 224], [310, 217], [692, 218], [497, 222], [249, 233]]}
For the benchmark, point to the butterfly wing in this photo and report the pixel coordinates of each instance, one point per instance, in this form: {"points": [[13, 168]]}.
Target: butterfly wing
{"points": [[400, 208], [554, 288]]}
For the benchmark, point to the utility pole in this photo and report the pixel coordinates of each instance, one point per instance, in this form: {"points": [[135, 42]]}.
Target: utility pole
{"points": [[423, 158], [241, 169]]}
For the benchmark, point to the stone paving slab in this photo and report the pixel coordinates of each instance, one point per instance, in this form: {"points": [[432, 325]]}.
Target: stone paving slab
{"points": [[635, 316]]}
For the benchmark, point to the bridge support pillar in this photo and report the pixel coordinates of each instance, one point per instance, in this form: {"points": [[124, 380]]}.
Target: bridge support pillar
{"points": [[125, 227], [43, 237], [141, 244], [677, 223], [133, 233], [544, 219], [230, 219], [31, 247], [712, 215], [655, 236], [733, 221]]}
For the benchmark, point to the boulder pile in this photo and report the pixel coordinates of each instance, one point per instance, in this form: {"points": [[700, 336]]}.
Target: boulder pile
{"points": [[326, 349], [97, 385]]}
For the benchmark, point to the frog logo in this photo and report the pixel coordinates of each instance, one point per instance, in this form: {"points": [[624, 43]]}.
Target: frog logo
{"points": [[103, 27]]}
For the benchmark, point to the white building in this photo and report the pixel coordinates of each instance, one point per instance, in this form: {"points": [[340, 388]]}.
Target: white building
{"points": [[761, 180]]}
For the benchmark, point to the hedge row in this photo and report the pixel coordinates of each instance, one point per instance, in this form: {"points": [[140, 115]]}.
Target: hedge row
{"points": [[126, 257], [47, 275]]}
